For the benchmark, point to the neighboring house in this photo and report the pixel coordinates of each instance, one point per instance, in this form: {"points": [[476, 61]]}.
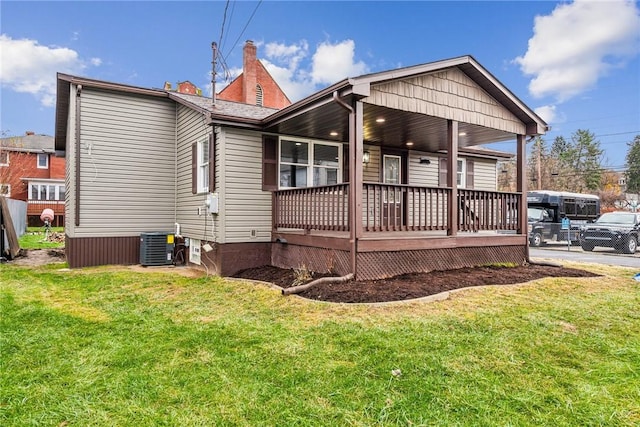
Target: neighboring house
{"points": [[255, 85], [31, 171], [352, 179]]}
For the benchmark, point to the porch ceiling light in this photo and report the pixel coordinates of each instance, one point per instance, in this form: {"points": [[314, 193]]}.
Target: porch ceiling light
{"points": [[409, 144], [462, 134], [333, 133], [380, 120], [366, 156]]}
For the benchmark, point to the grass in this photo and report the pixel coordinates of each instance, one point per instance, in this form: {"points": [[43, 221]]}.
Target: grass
{"points": [[34, 238], [112, 346]]}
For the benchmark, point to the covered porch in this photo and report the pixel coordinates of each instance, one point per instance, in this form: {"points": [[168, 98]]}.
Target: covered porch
{"points": [[375, 227]]}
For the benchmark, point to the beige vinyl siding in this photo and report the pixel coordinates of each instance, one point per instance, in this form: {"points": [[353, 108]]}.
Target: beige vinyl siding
{"points": [[192, 127], [485, 174], [70, 164], [247, 207], [371, 170], [449, 94], [125, 194], [423, 174]]}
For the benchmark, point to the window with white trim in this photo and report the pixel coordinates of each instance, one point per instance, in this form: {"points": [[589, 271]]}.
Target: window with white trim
{"points": [[305, 163], [4, 158], [43, 161], [5, 190], [46, 191], [461, 176], [203, 165]]}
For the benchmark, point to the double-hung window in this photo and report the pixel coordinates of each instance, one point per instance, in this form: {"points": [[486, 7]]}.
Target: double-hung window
{"points": [[203, 165], [461, 176], [4, 158], [464, 173], [43, 161], [305, 163]]}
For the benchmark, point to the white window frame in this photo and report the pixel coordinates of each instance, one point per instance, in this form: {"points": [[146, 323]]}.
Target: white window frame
{"points": [[47, 191], [8, 192], [4, 158], [461, 174], [44, 156], [203, 165], [310, 162]]}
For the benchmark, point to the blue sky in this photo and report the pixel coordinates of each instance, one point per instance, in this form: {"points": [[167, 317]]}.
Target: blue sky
{"points": [[576, 63]]}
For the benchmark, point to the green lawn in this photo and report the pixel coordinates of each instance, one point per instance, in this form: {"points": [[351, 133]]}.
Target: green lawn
{"points": [[116, 347], [35, 238]]}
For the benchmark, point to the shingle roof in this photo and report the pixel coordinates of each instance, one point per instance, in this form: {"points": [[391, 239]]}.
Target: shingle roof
{"points": [[29, 143], [225, 108]]}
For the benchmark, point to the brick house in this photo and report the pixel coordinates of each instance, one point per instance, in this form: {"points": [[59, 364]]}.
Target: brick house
{"points": [[31, 171], [254, 86]]}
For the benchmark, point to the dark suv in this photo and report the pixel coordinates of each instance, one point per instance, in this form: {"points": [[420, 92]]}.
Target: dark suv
{"points": [[617, 230]]}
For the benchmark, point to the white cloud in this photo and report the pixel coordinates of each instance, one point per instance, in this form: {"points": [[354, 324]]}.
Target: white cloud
{"points": [[298, 77], [577, 44], [547, 113], [334, 62], [290, 56], [29, 67]]}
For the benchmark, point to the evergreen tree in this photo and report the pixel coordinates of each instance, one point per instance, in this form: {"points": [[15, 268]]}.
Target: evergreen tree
{"points": [[632, 174], [585, 159]]}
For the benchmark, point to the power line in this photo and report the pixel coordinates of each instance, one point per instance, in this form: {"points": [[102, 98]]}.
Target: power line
{"points": [[224, 20], [243, 30]]}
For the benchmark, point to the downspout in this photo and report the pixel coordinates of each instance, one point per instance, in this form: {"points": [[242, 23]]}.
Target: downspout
{"points": [[175, 171], [77, 149], [352, 181]]}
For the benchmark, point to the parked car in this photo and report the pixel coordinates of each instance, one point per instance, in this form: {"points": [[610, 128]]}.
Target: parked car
{"points": [[617, 230]]}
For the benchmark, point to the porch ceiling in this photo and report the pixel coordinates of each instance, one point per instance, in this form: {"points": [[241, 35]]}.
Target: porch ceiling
{"points": [[427, 133]]}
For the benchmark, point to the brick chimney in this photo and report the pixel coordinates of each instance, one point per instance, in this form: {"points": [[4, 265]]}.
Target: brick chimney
{"points": [[249, 78], [29, 133]]}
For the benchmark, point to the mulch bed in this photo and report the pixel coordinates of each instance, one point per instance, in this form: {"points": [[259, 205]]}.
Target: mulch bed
{"points": [[409, 286]]}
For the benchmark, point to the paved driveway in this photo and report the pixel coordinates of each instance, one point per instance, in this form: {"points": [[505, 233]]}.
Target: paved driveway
{"points": [[560, 251]]}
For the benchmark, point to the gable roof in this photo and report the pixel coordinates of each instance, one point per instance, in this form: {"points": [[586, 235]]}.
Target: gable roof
{"points": [[321, 106], [322, 112], [233, 112]]}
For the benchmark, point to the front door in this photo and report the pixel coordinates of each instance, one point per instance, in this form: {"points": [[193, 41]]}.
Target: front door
{"points": [[392, 196]]}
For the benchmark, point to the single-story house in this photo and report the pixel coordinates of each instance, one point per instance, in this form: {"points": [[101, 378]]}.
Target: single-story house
{"points": [[355, 178]]}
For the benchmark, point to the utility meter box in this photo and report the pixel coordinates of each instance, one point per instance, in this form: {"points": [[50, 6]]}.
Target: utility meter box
{"points": [[212, 203]]}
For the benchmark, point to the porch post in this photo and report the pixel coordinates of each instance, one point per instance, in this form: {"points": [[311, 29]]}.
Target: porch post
{"points": [[452, 176], [521, 187], [355, 180]]}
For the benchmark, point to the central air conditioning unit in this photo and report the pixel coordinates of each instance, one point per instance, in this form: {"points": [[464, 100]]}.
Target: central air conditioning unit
{"points": [[156, 248]]}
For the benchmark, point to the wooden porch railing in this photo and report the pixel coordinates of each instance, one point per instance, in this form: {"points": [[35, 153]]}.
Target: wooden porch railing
{"points": [[312, 208], [487, 210], [387, 207], [35, 207]]}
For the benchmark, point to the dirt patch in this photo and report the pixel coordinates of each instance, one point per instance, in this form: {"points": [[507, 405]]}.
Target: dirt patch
{"points": [[35, 257], [410, 286]]}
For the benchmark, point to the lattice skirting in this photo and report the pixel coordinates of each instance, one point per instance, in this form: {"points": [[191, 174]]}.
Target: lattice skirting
{"points": [[380, 265]]}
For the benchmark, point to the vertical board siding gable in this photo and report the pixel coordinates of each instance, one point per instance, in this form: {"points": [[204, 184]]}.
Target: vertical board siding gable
{"points": [[448, 94]]}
